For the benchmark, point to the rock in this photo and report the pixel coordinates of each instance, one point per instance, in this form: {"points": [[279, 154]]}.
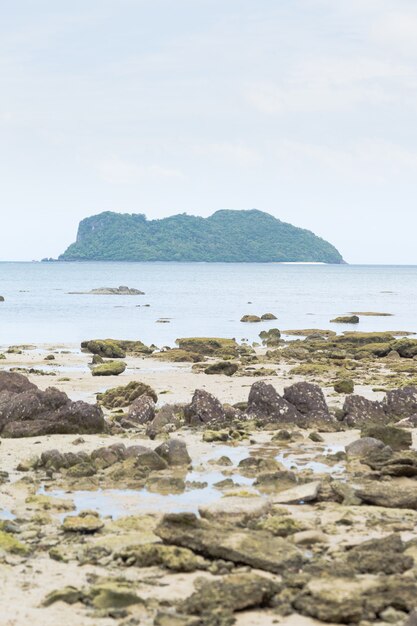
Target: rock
{"points": [[97, 359], [86, 524], [363, 447], [8, 543], [385, 556], [357, 410], [347, 319], [171, 557], [209, 346], [113, 595], [309, 400], [268, 316], [250, 319], [298, 495], [14, 383], [145, 458], [111, 291], [123, 396], [400, 403], [344, 385], [390, 495], [235, 508], [265, 403], [1, 298], [204, 408], [176, 355], [105, 348], [69, 595], [309, 538], [34, 412], [111, 368], [169, 618], [235, 592], [141, 411], [223, 367], [174, 452], [396, 438], [271, 338], [219, 541], [166, 420]]}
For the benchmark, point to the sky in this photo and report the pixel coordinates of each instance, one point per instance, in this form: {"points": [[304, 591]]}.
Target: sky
{"points": [[305, 109]]}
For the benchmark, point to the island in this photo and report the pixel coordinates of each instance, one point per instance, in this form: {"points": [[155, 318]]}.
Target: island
{"points": [[247, 236]]}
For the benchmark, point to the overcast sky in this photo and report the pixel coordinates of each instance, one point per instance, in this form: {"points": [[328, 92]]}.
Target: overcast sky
{"points": [[306, 109]]}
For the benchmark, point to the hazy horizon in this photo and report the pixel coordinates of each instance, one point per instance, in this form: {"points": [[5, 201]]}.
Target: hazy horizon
{"points": [[305, 110]]}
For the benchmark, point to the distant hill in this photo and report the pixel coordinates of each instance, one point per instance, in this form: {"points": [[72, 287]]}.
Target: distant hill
{"points": [[227, 236]]}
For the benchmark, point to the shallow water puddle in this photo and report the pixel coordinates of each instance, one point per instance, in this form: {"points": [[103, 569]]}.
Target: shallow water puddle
{"points": [[120, 502], [5, 514], [299, 462]]}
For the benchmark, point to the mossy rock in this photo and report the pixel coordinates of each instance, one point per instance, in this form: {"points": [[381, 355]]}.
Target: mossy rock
{"points": [[8, 543], [396, 438], [271, 337], [155, 554], [113, 595], [104, 348], [377, 349], [123, 396], [69, 595], [346, 319], [266, 317], [407, 348], [208, 346], [345, 385], [112, 368], [222, 367], [85, 524], [251, 319], [312, 369], [280, 525], [178, 356], [361, 339]]}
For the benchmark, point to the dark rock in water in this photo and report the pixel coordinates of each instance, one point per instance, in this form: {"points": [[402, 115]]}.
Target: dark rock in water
{"points": [[174, 452], [358, 410], [396, 438], [235, 592], [346, 319], [363, 447], [204, 408], [377, 556], [220, 541], [1, 298], [31, 412], [266, 317], [141, 411], [111, 291], [250, 319], [400, 403], [14, 383], [265, 403], [223, 367], [309, 400], [271, 338]]}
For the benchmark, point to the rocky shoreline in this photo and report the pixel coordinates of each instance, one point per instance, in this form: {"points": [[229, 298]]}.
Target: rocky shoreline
{"points": [[211, 484]]}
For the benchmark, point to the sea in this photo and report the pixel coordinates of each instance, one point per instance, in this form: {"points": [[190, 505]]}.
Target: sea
{"points": [[196, 299]]}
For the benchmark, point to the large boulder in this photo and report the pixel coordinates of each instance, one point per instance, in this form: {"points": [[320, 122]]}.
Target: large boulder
{"points": [[401, 403], [309, 400], [265, 403], [124, 395], [204, 408], [32, 412], [358, 410]]}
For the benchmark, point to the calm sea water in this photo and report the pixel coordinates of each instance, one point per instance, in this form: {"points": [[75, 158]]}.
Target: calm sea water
{"points": [[199, 299]]}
